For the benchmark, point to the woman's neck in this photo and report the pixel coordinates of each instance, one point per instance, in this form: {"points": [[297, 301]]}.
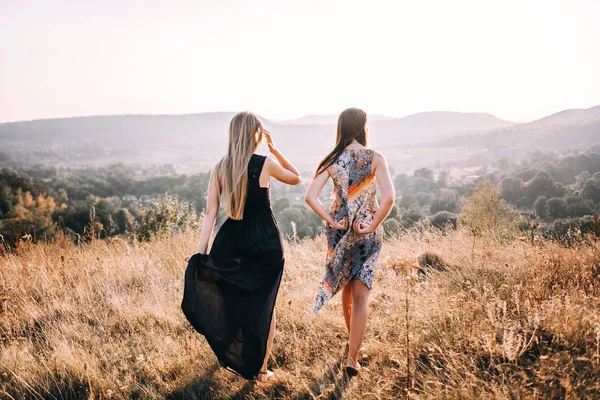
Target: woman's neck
{"points": [[354, 145]]}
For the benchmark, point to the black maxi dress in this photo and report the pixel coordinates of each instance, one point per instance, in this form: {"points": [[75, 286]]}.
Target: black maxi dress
{"points": [[229, 294]]}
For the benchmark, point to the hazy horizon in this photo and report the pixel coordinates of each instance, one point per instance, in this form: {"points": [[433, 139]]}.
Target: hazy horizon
{"points": [[273, 120], [517, 61]]}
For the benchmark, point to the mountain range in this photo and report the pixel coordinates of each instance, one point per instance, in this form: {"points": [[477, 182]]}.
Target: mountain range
{"points": [[199, 140], [575, 128]]}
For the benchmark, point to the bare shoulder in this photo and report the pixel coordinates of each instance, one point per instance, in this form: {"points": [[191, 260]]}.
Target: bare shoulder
{"points": [[378, 158], [269, 162]]}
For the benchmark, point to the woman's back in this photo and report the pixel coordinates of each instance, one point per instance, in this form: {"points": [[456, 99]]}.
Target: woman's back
{"points": [[350, 255], [257, 231], [258, 198], [354, 184]]}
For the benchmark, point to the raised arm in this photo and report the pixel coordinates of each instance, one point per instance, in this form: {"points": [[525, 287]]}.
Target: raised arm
{"points": [[388, 196], [282, 169], [312, 199], [210, 215]]}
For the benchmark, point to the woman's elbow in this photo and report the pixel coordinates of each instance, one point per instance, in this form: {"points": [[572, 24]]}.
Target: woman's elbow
{"points": [[309, 198], [388, 200], [297, 181]]}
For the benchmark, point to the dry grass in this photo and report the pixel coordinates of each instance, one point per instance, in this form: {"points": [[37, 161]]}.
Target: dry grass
{"points": [[103, 321]]}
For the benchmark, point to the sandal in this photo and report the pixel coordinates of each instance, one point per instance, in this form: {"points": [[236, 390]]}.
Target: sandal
{"points": [[352, 372], [264, 376]]}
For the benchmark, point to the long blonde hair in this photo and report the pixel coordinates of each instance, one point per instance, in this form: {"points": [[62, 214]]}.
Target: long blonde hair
{"points": [[231, 172]]}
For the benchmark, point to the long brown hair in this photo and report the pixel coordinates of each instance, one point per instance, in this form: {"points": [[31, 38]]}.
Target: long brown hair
{"points": [[231, 172], [352, 124]]}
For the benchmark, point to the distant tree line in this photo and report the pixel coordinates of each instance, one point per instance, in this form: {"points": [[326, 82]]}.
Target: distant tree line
{"points": [[561, 192], [39, 202]]}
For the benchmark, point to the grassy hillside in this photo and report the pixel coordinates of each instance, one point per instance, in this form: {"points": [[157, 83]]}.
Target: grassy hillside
{"points": [[102, 320]]}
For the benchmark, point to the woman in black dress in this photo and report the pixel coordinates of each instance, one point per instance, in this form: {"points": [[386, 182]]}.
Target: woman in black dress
{"points": [[229, 294]]}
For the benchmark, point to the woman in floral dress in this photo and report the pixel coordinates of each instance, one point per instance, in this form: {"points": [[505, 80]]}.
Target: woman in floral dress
{"points": [[352, 254]]}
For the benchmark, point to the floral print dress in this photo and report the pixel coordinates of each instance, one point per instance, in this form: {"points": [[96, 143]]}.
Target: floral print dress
{"points": [[349, 255]]}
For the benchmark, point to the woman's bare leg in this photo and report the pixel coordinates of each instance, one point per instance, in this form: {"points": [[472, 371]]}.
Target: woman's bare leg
{"points": [[269, 343], [358, 320], [347, 303]]}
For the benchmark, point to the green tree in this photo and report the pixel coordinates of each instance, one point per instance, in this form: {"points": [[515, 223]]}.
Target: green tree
{"points": [[281, 204], [512, 189], [408, 201], [443, 179], [447, 201], [542, 184], [400, 182], [124, 221], [425, 173], [591, 190], [541, 207], [557, 208]]}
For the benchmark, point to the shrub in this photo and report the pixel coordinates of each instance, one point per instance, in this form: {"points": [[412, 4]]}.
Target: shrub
{"points": [[447, 201], [429, 261], [165, 215], [570, 230], [443, 219], [410, 218], [486, 213], [578, 207]]}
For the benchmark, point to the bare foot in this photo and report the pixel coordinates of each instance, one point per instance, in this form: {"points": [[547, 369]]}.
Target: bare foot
{"points": [[265, 376]]}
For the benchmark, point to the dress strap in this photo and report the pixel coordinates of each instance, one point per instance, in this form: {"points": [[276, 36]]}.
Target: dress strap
{"points": [[255, 166]]}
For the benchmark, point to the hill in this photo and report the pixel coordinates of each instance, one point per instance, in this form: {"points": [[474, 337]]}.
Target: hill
{"points": [[316, 119], [567, 117], [199, 139], [435, 124], [577, 128], [102, 320], [194, 142]]}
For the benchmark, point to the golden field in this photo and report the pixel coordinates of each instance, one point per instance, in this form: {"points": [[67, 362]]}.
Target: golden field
{"points": [[102, 320]]}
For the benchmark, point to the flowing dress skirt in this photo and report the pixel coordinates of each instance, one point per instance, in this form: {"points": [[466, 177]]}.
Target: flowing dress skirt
{"points": [[229, 294]]}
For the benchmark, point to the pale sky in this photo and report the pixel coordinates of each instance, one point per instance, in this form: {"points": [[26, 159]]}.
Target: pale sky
{"points": [[517, 59]]}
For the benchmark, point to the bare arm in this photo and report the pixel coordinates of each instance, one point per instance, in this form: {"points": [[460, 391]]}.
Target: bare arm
{"points": [[312, 199], [282, 170], [388, 196], [208, 223]]}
